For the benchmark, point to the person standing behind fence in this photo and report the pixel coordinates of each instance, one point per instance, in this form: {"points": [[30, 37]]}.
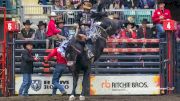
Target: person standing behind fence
{"points": [[59, 69], [41, 34], [41, 31], [60, 25], [58, 5], [146, 4], [27, 68], [130, 4], [27, 33], [144, 31], [52, 31], [159, 16]]}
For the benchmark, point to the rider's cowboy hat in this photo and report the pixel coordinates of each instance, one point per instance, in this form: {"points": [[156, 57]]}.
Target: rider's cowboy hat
{"points": [[27, 43], [27, 22], [53, 14], [87, 5]]}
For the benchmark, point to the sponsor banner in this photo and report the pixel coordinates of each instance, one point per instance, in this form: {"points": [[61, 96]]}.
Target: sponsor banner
{"points": [[125, 85], [42, 84]]}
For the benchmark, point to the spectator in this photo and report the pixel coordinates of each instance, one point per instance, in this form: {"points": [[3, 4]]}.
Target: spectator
{"points": [[130, 4], [27, 33], [144, 31], [41, 34], [178, 33], [26, 68], [129, 32], [117, 4], [52, 32], [43, 2], [69, 5], [58, 6], [159, 16], [95, 5], [69, 15], [41, 31], [64, 30], [76, 1], [146, 4]]}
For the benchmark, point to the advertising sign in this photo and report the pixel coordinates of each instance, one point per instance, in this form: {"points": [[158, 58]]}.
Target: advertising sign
{"points": [[12, 26], [125, 85], [131, 84], [42, 84], [169, 25]]}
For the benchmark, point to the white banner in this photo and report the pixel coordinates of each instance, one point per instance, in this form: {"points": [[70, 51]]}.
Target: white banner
{"points": [[42, 84], [130, 84], [125, 85]]}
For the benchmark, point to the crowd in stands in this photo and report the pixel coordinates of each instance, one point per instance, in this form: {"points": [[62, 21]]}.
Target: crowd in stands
{"points": [[55, 29], [115, 4]]}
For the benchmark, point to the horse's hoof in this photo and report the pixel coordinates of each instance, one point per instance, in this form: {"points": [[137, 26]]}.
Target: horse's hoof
{"points": [[71, 98], [81, 98]]}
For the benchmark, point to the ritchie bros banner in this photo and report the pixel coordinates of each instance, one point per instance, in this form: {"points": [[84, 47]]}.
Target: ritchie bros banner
{"points": [[125, 85]]}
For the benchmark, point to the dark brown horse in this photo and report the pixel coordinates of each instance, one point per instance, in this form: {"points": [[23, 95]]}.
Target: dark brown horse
{"points": [[76, 52]]}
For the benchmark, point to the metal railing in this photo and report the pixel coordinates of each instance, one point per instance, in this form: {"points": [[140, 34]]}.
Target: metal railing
{"points": [[69, 16], [138, 14]]}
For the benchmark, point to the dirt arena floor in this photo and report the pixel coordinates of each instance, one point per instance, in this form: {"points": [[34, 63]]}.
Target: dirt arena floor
{"points": [[95, 98]]}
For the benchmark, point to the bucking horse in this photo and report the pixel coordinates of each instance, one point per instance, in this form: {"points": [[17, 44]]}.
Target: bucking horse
{"points": [[76, 53]]}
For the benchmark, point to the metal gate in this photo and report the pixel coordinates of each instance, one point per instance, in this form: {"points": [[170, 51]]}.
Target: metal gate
{"points": [[3, 72]]}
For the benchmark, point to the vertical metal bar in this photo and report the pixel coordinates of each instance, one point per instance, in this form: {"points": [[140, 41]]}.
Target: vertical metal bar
{"points": [[4, 55], [13, 66], [161, 66], [170, 58]]}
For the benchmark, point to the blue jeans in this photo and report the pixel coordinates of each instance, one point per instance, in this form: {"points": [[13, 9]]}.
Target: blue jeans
{"points": [[160, 31], [25, 85], [59, 70]]}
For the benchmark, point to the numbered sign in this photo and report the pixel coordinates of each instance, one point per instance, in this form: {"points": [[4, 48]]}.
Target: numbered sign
{"points": [[169, 25], [12, 26]]}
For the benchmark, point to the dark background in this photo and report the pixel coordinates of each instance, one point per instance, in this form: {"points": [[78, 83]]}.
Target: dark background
{"points": [[174, 6]]}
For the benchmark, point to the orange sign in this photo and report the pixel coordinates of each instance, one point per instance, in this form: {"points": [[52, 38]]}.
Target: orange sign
{"points": [[169, 25], [12, 26]]}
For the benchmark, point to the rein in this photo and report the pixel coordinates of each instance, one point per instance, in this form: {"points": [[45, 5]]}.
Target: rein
{"points": [[77, 50]]}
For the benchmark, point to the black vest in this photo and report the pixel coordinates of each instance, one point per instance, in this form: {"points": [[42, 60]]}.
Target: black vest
{"points": [[27, 34]]}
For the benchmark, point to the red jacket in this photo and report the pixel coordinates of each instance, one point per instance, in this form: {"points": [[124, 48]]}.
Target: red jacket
{"points": [[158, 13], [59, 57], [52, 30], [125, 34]]}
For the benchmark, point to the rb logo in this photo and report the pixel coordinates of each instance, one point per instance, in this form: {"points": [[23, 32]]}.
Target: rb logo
{"points": [[106, 84]]}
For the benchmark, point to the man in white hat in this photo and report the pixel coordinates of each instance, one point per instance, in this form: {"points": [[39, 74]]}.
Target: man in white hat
{"points": [[52, 31]]}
